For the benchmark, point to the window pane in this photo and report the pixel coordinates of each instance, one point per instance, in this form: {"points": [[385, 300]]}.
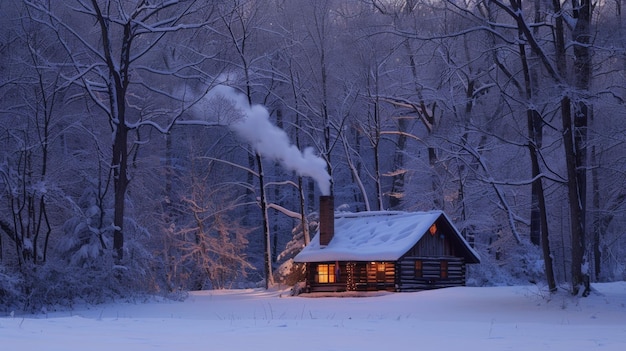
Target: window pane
{"points": [[322, 273], [326, 273], [380, 272]]}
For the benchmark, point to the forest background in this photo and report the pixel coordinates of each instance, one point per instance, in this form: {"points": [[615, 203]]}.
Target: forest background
{"points": [[128, 166]]}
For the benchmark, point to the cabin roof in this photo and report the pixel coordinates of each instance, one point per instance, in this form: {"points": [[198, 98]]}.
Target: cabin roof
{"points": [[377, 236]]}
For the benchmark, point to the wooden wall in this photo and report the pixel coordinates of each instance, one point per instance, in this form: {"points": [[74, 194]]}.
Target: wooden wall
{"points": [[392, 276], [313, 286], [430, 276], [358, 276]]}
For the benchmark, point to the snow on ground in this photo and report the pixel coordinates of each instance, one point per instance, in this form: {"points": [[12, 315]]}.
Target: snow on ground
{"points": [[468, 318]]}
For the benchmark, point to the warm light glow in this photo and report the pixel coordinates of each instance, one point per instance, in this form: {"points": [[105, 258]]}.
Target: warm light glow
{"points": [[326, 273], [381, 267], [433, 229], [351, 284]]}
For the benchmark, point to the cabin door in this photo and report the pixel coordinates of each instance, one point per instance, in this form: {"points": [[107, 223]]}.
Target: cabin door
{"points": [[376, 274]]}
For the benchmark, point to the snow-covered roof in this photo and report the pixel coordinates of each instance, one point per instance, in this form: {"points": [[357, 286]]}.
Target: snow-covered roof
{"points": [[374, 236]]}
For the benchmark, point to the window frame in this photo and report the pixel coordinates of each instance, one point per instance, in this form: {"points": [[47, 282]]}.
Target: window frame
{"points": [[326, 273], [381, 272]]}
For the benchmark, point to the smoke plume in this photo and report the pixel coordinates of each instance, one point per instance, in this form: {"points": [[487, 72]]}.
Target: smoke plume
{"points": [[252, 124]]}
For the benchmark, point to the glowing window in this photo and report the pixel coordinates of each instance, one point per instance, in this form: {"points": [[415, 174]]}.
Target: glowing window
{"points": [[326, 273], [380, 271], [380, 267]]}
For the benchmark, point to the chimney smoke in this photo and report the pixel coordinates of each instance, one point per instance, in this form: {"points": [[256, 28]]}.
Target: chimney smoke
{"points": [[252, 124]]}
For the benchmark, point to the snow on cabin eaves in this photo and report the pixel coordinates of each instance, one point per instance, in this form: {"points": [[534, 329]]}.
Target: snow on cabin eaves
{"points": [[370, 236]]}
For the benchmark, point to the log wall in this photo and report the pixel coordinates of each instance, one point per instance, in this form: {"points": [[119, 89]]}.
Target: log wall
{"points": [[431, 275], [396, 276]]}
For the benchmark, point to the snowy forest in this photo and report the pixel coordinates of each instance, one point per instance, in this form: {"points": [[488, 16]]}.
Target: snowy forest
{"points": [[162, 146]]}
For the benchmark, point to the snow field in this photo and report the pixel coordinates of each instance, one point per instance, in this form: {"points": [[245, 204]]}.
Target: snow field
{"points": [[469, 318]]}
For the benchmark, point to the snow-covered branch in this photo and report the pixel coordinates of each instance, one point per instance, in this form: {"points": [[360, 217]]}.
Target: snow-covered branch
{"points": [[286, 212]]}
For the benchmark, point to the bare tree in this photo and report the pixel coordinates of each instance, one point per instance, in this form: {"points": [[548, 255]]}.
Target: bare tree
{"points": [[114, 68], [574, 114], [527, 86], [240, 20], [28, 183], [210, 250]]}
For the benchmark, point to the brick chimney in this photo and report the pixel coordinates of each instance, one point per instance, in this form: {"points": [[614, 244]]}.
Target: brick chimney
{"points": [[327, 219]]}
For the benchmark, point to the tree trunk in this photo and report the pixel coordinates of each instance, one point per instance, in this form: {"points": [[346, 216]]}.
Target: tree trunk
{"points": [[397, 187], [596, 223], [303, 221], [539, 233], [269, 276], [581, 36], [575, 189], [536, 135], [116, 89], [120, 183]]}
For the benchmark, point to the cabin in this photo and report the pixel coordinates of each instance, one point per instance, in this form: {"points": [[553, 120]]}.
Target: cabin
{"points": [[385, 250]]}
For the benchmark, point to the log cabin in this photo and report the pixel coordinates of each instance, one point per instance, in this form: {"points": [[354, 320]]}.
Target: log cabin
{"points": [[385, 250]]}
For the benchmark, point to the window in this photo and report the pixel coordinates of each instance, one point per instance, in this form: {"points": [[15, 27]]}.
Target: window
{"points": [[326, 273], [443, 269], [419, 272], [380, 272]]}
